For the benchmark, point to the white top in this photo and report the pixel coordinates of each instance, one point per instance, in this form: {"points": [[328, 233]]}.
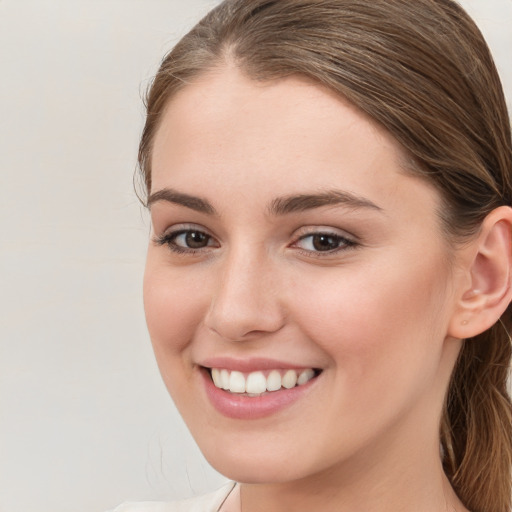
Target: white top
{"points": [[208, 503]]}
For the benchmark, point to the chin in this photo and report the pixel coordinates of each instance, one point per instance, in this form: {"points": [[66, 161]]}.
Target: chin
{"points": [[252, 465], [250, 472]]}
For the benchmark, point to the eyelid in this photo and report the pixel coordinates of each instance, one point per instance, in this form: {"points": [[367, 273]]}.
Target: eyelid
{"points": [[181, 227], [324, 230]]}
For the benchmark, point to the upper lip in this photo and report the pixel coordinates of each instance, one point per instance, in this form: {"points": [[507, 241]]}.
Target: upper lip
{"points": [[251, 364]]}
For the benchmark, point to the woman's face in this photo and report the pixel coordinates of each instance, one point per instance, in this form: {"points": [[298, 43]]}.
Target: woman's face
{"points": [[288, 242]]}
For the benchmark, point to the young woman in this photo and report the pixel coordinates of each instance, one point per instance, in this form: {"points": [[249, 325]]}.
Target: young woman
{"points": [[328, 278]]}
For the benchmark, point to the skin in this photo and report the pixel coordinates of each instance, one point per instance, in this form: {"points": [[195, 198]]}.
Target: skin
{"points": [[374, 316]]}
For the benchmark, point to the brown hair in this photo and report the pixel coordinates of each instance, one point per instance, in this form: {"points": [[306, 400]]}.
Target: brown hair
{"points": [[423, 71]]}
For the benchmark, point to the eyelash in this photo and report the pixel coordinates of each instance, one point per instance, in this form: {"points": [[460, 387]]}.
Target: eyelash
{"points": [[344, 244], [170, 238]]}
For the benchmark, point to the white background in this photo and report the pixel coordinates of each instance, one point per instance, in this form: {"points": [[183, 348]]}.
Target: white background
{"points": [[85, 422]]}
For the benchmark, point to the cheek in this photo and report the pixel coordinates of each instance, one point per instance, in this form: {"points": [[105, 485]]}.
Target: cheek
{"points": [[381, 329], [174, 303]]}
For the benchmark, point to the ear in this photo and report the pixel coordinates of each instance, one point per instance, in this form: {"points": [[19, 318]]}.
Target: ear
{"points": [[487, 289]]}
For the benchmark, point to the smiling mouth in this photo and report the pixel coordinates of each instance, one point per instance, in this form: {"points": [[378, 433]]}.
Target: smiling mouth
{"points": [[260, 382]]}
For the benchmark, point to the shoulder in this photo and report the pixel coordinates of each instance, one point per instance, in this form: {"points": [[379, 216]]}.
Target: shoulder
{"points": [[208, 503]]}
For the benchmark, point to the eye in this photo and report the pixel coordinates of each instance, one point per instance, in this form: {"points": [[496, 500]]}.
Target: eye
{"points": [[186, 240], [191, 239], [323, 242]]}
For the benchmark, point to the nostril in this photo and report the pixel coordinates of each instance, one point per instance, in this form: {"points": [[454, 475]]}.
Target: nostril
{"points": [[243, 308]]}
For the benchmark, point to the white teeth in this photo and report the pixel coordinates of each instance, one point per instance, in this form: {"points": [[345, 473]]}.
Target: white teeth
{"points": [[273, 381], [255, 383], [224, 379], [216, 377], [237, 382], [289, 379], [305, 376]]}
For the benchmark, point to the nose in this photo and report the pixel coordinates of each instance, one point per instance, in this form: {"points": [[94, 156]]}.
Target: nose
{"points": [[246, 299]]}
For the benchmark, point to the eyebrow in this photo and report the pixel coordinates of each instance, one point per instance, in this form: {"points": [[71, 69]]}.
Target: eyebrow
{"points": [[304, 202], [172, 196], [279, 206]]}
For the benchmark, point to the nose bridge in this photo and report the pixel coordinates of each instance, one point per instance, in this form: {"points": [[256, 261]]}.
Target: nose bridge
{"points": [[246, 299]]}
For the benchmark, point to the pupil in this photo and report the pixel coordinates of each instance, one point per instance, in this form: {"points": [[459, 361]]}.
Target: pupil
{"points": [[196, 240], [325, 242]]}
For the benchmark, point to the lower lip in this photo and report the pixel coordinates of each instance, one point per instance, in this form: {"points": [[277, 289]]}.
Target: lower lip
{"points": [[244, 407]]}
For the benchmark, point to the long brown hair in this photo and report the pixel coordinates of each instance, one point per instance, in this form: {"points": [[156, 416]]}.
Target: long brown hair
{"points": [[423, 71]]}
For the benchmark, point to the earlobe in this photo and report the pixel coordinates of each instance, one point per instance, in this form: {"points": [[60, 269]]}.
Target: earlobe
{"points": [[490, 267]]}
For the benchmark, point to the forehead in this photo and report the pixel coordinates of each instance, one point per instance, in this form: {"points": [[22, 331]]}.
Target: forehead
{"points": [[231, 99], [289, 134]]}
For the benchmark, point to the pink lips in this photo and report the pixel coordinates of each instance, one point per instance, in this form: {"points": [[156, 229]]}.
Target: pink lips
{"points": [[243, 407], [249, 365]]}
